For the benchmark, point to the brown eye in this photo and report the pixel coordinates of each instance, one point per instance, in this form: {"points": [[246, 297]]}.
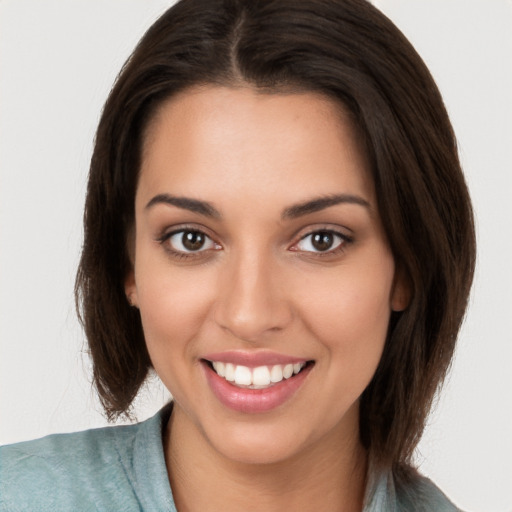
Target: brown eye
{"points": [[321, 241], [190, 241]]}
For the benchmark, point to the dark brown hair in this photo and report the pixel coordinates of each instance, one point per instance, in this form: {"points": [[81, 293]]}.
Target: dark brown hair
{"points": [[345, 49]]}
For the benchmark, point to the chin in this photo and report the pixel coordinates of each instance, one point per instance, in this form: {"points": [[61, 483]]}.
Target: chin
{"points": [[259, 448]]}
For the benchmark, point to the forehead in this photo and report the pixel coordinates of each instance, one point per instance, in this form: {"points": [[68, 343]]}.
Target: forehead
{"points": [[240, 139]]}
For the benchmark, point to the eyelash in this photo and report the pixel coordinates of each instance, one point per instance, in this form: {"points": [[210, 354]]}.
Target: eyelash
{"points": [[339, 249], [181, 255]]}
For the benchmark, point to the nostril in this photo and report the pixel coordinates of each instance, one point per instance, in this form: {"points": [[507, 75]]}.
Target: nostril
{"points": [[252, 325]]}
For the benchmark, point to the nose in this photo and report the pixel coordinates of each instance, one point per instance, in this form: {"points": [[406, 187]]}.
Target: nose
{"points": [[252, 302]]}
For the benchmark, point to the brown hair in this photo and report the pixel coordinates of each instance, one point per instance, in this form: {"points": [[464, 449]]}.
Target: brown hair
{"points": [[345, 49]]}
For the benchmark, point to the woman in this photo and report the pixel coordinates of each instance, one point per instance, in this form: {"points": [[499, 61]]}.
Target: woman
{"points": [[277, 223]]}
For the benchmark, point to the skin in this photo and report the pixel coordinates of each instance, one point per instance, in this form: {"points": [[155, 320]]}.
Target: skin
{"points": [[260, 284]]}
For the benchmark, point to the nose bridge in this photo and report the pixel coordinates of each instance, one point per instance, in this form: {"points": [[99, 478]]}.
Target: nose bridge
{"points": [[252, 302]]}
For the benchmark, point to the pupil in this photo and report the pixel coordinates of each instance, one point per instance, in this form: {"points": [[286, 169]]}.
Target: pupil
{"points": [[192, 240], [322, 241]]}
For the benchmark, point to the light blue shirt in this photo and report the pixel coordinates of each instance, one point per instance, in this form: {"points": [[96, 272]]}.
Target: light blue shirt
{"points": [[123, 469]]}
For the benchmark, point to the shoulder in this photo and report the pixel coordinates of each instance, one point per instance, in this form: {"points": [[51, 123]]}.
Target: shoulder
{"points": [[89, 470], [418, 493], [59, 471], [404, 490]]}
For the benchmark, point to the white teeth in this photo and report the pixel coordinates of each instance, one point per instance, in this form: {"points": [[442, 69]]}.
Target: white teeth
{"points": [[220, 368], [243, 376], [256, 378], [288, 371], [230, 372], [261, 376], [276, 374]]}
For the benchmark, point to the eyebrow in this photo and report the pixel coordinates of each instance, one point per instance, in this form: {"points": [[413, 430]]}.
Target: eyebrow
{"points": [[186, 203], [297, 210], [321, 203]]}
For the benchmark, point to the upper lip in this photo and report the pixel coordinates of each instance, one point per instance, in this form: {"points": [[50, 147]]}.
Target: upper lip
{"points": [[253, 359]]}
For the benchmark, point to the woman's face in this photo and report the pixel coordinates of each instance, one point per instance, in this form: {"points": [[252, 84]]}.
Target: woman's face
{"points": [[259, 250]]}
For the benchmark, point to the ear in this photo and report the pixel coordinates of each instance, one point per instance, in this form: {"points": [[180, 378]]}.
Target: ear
{"points": [[130, 289], [401, 291], [130, 286]]}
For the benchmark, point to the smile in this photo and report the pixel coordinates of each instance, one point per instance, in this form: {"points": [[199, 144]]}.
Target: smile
{"points": [[255, 383], [261, 377]]}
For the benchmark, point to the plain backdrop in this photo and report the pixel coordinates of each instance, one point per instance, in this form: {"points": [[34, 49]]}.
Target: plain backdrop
{"points": [[58, 60]]}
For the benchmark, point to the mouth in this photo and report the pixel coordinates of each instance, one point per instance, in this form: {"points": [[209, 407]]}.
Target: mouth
{"points": [[260, 377], [255, 382]]}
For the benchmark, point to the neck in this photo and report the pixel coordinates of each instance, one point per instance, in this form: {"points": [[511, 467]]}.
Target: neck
{"points": [[328, 475]]}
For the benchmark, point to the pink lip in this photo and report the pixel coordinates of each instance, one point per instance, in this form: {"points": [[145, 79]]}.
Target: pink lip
{"points": [[254, 400], [253, 359]]}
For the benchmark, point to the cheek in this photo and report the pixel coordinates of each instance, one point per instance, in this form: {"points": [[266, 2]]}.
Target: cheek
{"points": [[349, 313], [173, 304]]}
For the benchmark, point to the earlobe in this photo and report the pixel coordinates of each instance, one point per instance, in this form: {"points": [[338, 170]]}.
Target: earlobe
{"points": [[401, 292], [130, 289]]}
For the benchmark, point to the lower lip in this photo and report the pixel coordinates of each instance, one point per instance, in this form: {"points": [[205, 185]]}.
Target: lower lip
{"points": [[254, 400]]}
